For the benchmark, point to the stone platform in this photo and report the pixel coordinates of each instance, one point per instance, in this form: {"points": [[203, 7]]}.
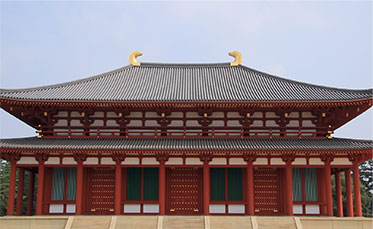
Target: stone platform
{"points": [[182, 222]]}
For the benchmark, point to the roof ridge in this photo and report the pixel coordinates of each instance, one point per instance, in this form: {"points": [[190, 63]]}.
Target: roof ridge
{"points": [[152, 64]]}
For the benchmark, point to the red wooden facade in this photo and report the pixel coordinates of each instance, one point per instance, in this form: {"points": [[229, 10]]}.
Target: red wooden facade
{"points": [[211, 175]]}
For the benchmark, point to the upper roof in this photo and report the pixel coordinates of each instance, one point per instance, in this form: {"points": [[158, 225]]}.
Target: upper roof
{"points": [[185, 83]]}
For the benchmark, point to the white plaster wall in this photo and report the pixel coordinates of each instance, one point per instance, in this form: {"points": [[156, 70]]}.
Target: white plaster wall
{"points": [[132, 208], [91, 161], [236, 208], [316, 161], [217, 208], [193, 161], [237, 161], [218, 161], [53, 161], [277, 161], [151, 208], [174, 161], [297, 209], [261, 161], [107, 161], [28, 161], [131, 161], [149, 161], [341, 161], [68, 161], [299, 161]]}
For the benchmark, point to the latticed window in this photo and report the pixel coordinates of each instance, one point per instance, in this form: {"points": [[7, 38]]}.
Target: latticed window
{"points": [[139, 179], [64, 184], [305, 184], [226, 184]]}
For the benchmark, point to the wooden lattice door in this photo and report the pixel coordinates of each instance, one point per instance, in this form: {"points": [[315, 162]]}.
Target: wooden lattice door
{"points": [[100, 190], [267, 191], [184, 191]]}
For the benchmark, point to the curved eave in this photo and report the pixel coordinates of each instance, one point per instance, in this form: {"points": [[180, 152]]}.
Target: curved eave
{"points": [[220, 104], [337, 146]]}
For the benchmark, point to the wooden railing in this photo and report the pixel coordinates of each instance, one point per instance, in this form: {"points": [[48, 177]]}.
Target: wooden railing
{"points": [[181, 132]]}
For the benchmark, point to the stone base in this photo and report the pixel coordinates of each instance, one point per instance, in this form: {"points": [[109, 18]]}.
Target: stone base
{"points": [[196, 222]]}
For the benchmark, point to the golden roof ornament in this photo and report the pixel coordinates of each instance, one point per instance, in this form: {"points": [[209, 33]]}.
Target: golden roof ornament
{"points": [[237, 58], [133, 56]]}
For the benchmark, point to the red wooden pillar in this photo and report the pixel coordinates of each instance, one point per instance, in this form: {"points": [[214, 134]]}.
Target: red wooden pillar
{"points": [[162, 158], [288, 159], [358, 209], [349, 202], [162, 189], [206, 189], [250, 190], [79, 158], [328, 189], [250, 158], [339, 194], [289, 189], [323, 210], [12, 187], [30, 194], [21, 183], [79, 188], [118, 189], [40, 188], [118, 158]]}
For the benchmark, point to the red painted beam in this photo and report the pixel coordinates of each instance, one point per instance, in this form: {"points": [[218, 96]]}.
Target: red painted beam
{"points": [[30, 194], [349, 201], [358, 209], [12, 188], [21, 183], [339, 195]]}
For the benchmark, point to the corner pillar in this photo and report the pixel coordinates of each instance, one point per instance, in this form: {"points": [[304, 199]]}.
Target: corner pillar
{"points": [[339, 194], [358, 208], [21, 183], [349, 201], [12, 184], [162, 158], [355, 159]]}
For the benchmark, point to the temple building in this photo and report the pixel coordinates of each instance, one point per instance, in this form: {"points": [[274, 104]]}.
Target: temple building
{"points": [[185, 139]]}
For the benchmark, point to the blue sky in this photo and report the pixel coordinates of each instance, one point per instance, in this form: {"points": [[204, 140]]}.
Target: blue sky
{"points": [[325, 43]]}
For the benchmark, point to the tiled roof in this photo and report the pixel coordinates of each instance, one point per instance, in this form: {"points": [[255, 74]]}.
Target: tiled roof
{"points": [[185, 144], [185, 83]]}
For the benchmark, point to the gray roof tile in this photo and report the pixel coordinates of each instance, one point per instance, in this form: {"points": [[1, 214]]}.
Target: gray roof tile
{"points": [[185, 83], [185, 144]]}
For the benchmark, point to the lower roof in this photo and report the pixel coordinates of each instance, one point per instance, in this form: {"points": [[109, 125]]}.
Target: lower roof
{"points": [[91, 144]]}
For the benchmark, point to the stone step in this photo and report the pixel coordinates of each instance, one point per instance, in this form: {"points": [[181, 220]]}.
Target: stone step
{"points": [[187, 222], [268, 222]]}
